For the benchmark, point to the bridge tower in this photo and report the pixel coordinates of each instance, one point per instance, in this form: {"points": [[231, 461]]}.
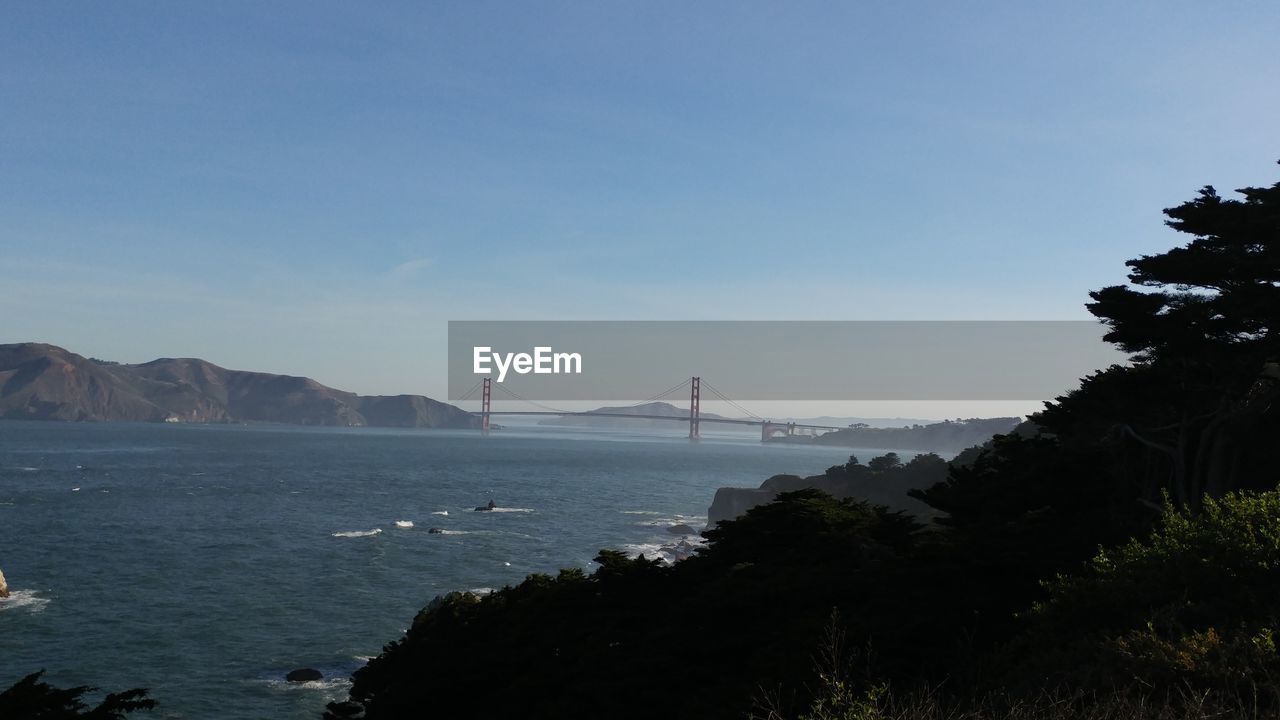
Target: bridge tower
{"points": [[486, 401], [695, 397]]}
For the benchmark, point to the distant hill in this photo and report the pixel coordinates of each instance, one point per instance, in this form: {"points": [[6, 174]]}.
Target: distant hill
{"points": [[46, 382], [665, 409], [653, 409], [946, 436]]}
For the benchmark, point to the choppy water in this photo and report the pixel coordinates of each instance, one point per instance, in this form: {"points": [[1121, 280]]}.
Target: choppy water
{"points": [[204, 562]]}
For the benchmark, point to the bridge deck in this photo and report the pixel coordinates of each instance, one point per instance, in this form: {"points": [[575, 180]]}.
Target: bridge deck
{"points": [[677, 418]]}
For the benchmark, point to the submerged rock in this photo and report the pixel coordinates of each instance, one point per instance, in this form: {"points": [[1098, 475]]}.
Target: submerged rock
{"points": [[304, 675], [4, 587], [681, 529]]}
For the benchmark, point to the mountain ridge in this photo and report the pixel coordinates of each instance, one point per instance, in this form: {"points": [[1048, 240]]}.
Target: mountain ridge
{"points": [[39, 381]]}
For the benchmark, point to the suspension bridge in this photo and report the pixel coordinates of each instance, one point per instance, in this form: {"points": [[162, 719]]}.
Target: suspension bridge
{"points": [[769, 429]]}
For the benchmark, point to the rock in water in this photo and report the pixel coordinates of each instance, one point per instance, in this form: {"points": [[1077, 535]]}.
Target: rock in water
{"points": [[681, 529], [304, 675], [4, 587]]}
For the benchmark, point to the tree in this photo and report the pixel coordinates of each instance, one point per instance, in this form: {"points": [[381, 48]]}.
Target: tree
{"points": [[888, 461], [32, 699], [1201, 324]]}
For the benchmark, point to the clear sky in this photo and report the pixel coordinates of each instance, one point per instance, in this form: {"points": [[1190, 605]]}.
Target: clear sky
{"points": [[316, 188]]}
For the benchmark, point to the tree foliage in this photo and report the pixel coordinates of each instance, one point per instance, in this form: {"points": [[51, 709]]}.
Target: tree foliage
{"points": [[33, 699]]}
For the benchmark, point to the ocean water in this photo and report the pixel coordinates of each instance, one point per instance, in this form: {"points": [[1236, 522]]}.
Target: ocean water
{"points": [[205, 562]]}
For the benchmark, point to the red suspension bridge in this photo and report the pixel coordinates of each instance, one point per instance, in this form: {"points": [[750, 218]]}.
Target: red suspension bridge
{"points": [[769, 429]]}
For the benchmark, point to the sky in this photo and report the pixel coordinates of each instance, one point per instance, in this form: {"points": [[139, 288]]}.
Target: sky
{"points": [[318, 188]]}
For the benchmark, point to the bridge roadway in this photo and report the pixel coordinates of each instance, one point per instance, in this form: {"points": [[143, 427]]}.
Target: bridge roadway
{"points": [[678, 418]]}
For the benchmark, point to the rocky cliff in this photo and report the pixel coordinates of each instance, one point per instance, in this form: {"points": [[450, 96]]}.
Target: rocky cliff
{"points": [[879, 482]]}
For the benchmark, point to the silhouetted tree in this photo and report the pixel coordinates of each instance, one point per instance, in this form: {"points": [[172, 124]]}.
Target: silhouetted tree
{"points": [[32, 699], [1201, 322]]}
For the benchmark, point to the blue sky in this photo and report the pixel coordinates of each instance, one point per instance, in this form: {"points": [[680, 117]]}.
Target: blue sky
{"points": [[316, 188]]}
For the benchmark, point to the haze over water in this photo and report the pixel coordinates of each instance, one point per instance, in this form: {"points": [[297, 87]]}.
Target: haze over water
{"points": [[205, 562]]}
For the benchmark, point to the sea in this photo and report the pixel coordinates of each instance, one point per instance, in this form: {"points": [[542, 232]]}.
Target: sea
{"points": [[204, 562]]}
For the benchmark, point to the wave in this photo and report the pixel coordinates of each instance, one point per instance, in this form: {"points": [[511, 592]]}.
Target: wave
{"points": [[641, 512], [24, 599], [451, 532], [329, 683], [358, 533], [404, 524], [440, 512], [513, 510], [668, 552]]}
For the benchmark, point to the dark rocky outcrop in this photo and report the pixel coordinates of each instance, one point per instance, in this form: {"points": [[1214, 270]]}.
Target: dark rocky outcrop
{"points": [[681, 529], [4, 586], [304, 675], [46, 382]]}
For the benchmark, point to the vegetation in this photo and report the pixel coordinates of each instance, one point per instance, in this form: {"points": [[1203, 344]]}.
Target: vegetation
{"points": [[1006, 608], [33, 699], [951, 435]]}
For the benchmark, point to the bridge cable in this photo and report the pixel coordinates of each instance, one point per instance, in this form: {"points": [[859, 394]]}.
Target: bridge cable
{"points": [[662, 394], [522, 398], [725, 398], [467, 394]]}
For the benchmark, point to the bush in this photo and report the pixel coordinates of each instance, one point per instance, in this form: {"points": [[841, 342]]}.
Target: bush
{"points": [[1195, 604]]}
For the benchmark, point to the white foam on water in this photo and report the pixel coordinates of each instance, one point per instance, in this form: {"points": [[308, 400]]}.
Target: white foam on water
{"points": [[481, 591], [75, 489], [510, 510], [330, 684], [19, 599], [649, 550], [358, 533], [668, 552], [440, 512], [404, 524], [27, 469], [641, 512], [453, 532]]}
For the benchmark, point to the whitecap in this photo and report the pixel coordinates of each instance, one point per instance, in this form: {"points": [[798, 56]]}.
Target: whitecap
{"points": [[481, 591], [23, 599], [641, 512], [358, 533], [453, 532], [510, 510], [331, 684], [28, 469], [440, 512], [404, 524], [668, 553], [75, 489]]}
